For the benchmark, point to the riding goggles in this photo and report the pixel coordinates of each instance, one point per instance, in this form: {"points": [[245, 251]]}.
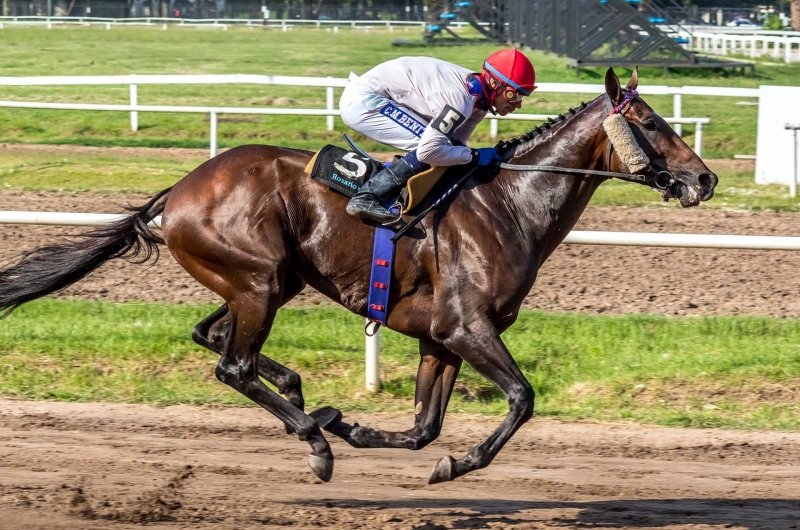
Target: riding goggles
{"points": [[512, 96]]}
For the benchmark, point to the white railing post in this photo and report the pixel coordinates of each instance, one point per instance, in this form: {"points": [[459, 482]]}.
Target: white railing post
{"points": [[492, 129], [796, 174], [698, 140], [134, 103], [213, 134], [373, 362], [677, 111], [787, 45], [793, 187], [329, 102]]}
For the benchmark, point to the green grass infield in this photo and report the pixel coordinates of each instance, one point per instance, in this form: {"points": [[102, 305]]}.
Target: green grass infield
{"points": [[699, 372]]}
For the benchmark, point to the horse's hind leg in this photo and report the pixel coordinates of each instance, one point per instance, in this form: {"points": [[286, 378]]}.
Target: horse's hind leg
{"points": [[251, 316], [438, 369], [212, 333], [481, 346]]}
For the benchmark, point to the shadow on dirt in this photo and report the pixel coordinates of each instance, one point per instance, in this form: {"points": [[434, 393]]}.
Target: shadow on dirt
{"points": [[753, 514]]}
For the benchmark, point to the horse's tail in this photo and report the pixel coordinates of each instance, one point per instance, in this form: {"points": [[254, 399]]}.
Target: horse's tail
{"points": [[52, 268]]}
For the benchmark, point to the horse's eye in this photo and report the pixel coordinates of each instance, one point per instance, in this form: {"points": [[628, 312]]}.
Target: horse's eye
{"points": [[650, 125]]}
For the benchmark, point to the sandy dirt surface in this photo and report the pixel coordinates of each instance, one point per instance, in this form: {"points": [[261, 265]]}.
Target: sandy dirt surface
{"points": [[99, 466], [577, 278]]}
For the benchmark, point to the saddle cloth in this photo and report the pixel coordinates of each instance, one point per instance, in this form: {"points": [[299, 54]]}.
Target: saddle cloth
{"points": [[346, 171]]}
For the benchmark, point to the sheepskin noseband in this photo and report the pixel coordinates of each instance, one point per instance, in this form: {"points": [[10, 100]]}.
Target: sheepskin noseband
{"points": [[621, 137]]}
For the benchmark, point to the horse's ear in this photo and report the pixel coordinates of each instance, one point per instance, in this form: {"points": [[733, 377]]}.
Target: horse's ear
{"points": [[613, 88], [634, 82]]}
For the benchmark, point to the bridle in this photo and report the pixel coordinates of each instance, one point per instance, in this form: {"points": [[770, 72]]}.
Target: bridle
{"points": [[661, 180]]}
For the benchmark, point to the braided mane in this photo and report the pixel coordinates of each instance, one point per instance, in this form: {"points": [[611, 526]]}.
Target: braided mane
{"points": [[536, 131]]}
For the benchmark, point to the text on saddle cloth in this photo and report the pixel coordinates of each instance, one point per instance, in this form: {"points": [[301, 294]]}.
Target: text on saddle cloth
{"points": [[346, 171], [341, 170]]}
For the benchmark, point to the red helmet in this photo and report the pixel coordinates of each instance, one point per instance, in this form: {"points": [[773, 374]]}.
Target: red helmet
{"points": [[512, 68]]}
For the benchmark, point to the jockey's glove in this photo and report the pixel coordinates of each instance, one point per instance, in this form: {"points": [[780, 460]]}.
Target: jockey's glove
{"points": [[486, 156]]}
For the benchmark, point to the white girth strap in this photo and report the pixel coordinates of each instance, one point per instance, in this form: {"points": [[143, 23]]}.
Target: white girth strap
{"points": [[621, 137]]}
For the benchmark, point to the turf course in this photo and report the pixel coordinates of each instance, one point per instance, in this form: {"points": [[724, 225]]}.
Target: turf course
{"points": [[302, 52], [700, 372]]}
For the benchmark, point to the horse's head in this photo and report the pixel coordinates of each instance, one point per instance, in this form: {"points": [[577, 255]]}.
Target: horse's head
{"points": [[682, 174]]}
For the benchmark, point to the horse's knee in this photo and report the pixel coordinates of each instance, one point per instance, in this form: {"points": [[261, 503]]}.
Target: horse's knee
{"points": [[521, 399]]}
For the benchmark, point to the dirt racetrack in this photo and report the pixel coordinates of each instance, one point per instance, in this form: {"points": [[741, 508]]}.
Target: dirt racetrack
{"points": [[101, 466], [588, 279]]}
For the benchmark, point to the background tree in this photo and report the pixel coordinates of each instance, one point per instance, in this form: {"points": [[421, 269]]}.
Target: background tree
{"points": [[796, 15]]}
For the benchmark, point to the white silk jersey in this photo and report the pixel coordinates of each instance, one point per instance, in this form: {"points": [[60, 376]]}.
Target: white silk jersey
{"points": [[444, 111]]}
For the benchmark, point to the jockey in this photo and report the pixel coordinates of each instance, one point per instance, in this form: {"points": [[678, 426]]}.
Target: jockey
{"points": [[429, 108]]}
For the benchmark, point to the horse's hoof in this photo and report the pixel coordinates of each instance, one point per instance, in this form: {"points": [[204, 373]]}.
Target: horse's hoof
{"points": [[444, 471], [326, 416], [321, 467]]}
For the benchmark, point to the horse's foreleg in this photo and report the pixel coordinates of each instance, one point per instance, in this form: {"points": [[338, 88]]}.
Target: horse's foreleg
{"points": [[436, 376], [251, 317], [213, 332], [480, 345]]}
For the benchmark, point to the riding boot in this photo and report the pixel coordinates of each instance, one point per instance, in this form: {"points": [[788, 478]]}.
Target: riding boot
{"points": [[382, 186]]}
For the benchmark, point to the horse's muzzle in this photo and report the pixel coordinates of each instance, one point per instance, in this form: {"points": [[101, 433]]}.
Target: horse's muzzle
{"points": [[694, 193]]}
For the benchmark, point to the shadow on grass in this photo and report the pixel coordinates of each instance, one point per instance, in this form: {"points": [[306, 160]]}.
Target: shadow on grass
{"points": [[762, 514]]}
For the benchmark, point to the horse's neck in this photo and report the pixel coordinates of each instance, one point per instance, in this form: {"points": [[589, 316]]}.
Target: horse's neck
{"points": [[548, 206]]}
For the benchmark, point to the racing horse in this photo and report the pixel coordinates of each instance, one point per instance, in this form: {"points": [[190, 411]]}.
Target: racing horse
{"points": [[252, 227]]}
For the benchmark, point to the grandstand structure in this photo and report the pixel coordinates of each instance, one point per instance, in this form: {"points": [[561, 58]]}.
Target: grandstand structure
{"points": [[623, 33]]}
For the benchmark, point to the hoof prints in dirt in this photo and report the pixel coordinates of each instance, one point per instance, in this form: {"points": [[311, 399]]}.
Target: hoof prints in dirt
{"points": [[155, 505]]}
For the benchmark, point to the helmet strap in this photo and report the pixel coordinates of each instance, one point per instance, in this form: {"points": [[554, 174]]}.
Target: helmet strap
{"points": [[490, 93]]}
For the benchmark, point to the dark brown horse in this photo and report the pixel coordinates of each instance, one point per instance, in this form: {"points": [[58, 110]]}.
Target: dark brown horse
{"points": [[253, 228]]}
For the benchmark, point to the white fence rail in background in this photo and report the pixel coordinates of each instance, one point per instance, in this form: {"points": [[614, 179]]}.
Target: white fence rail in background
{"points": [[576, 237], [785, 47], [329, 83], [214, 113], [217, 23]]}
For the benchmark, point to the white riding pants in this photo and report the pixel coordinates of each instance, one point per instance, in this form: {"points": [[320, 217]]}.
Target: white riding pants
{"points": [[366, 109]]}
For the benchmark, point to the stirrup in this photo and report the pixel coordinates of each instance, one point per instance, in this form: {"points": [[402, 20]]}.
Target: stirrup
{"points": [[397, 224]]}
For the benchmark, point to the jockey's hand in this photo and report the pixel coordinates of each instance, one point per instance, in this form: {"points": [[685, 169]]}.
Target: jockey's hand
{"points": [[486, 156]]}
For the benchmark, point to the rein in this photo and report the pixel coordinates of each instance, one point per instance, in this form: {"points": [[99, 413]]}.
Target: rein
{"points": [[651, 177], [660, 179]]}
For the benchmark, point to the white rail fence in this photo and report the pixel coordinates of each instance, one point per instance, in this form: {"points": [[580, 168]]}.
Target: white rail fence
{"points": [[218, 23], [786, 47], [214, 113], [576, 237], [329, 83]]}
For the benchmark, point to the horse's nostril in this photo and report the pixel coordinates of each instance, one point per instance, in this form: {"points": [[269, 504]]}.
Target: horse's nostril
{"points": [[707, 181]]}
